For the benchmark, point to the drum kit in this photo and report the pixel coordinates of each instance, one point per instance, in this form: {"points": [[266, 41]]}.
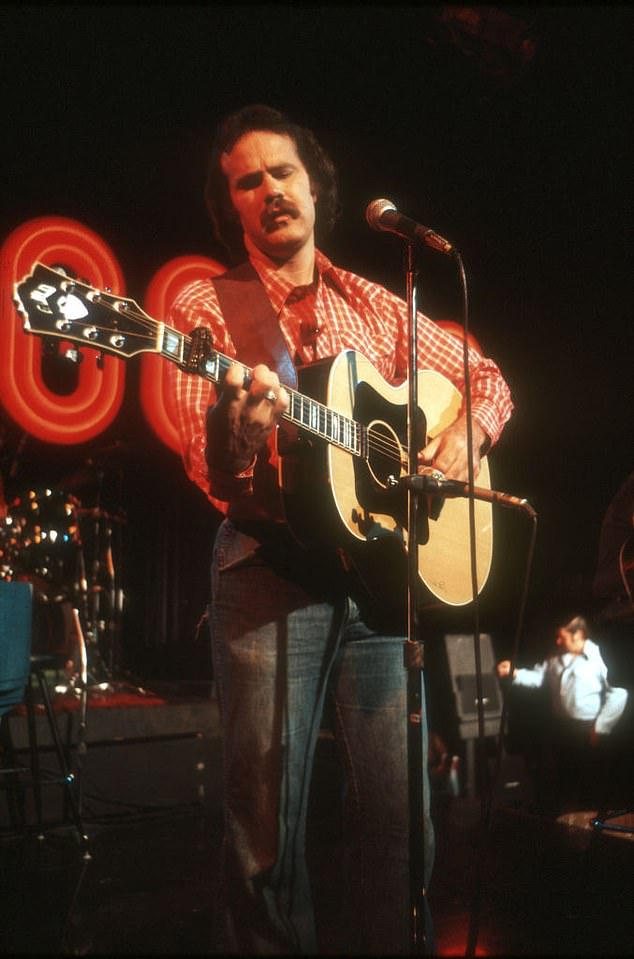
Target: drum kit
{"points": [[66, 551]]}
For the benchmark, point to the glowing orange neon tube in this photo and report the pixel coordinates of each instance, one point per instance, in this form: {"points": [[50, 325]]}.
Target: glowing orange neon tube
{"points": [[96, 400]]}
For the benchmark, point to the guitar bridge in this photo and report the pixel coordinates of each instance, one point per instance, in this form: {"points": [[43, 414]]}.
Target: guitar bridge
{"points": [[200, 348]]}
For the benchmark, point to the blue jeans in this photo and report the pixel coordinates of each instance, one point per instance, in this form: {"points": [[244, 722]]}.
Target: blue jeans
{"points": [[285, 634]]}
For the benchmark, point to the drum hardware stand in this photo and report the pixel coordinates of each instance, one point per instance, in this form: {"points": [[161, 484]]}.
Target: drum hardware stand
{"points": [[101, 582], [83, 704], [101, 602], [81, 677], [95, 592]]}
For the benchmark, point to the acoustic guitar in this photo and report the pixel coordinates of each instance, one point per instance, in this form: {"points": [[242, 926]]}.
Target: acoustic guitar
{"points": [[352, 422]]}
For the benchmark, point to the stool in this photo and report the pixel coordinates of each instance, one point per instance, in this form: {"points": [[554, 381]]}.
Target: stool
{"points": [[20, 669], [20, 776]]}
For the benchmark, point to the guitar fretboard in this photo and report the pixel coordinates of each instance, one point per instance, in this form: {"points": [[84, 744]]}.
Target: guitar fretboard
{"points": [[303, 411]]}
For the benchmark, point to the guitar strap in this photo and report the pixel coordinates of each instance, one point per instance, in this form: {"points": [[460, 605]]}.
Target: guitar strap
{"points": [[255, 331], [252, 322]]}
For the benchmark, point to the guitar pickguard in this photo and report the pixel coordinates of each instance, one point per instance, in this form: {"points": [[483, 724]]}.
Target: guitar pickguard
{"points": [[386, 459]]}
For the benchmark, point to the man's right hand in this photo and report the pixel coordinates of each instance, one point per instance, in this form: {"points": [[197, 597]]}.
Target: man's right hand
{"points": [[504, 668]]}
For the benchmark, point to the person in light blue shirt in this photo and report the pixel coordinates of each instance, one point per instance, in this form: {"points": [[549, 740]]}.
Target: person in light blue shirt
{"points": [[585, 710]]}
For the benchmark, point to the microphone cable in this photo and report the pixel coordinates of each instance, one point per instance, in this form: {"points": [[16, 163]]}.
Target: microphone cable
{"points": [[487, 781]]}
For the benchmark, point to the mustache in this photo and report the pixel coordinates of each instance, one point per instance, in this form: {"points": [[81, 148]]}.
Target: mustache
{"points": [[277, 207]]}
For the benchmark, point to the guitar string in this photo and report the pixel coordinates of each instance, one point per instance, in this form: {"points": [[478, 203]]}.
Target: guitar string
{"points": [[376, 441]]}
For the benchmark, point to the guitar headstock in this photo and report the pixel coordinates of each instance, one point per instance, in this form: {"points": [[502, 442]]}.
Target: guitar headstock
{"points": [[54, 305]]}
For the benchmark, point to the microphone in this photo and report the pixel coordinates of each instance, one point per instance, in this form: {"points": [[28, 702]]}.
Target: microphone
{"points": [[433, 482], [383, 216]]}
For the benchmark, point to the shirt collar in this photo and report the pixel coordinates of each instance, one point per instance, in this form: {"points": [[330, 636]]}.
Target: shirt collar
{"points": [[568, 658], [279, 288]]}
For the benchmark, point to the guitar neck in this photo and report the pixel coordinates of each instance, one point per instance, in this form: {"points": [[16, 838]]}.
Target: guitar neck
{"points": [[303, 411], [55, 305]]}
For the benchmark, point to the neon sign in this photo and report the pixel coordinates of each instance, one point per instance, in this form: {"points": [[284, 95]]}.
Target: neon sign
{"points": [[95, 399]]}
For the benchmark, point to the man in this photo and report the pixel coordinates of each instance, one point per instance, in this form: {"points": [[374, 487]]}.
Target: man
{"points": [[585, 710], [291, 635]]}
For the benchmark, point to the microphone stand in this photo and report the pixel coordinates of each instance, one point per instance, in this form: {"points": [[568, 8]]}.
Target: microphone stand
{"points": [[414, 652], [430, 482]]}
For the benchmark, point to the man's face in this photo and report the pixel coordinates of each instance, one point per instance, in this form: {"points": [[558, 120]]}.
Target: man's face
{"points": [[571, 641], [271, 192]]}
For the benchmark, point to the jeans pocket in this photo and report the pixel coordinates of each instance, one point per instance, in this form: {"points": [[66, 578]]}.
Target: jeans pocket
{"points": [[232, 547]]}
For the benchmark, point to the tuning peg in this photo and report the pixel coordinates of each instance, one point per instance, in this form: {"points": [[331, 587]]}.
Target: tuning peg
{"points": [[62, 268], [74, 355]]}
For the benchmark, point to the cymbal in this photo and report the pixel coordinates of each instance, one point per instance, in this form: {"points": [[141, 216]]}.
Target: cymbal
{"points": [[92, 470], [120, 447], [95, 512], [81, 478]]}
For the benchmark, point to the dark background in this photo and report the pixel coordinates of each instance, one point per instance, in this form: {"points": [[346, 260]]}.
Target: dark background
{"points": [[504, 128]]}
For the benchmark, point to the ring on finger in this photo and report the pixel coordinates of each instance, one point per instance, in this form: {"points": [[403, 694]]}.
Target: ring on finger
{"points": [[271, 396]]}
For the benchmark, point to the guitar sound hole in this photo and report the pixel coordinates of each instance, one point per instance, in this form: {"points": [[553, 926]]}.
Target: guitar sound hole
{"points": [[386, 423], [385, 453]]}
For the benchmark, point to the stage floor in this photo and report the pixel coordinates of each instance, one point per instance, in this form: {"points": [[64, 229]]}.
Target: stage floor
{"points": [[526, 886]]}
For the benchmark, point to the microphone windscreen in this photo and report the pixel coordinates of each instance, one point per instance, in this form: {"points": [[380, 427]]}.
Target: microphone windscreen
{"points": [[375, 211]]}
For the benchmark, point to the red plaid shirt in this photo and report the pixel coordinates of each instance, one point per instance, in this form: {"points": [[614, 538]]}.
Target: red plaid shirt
{"points": [[339, 311]]}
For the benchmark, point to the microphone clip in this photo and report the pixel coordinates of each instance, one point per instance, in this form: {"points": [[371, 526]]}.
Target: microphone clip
{"points": [[429, 480], [433, 482]]}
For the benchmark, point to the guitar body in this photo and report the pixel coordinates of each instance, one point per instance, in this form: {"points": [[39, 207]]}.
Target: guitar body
{"points": [[327, 491]]}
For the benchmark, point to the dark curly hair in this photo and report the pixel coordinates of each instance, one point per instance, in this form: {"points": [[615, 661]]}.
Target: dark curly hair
{"points": [[318, 164]]}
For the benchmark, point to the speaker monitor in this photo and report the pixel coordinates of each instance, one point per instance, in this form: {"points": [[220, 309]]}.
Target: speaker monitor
{"points": [[462, 668]]}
